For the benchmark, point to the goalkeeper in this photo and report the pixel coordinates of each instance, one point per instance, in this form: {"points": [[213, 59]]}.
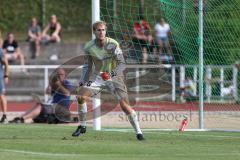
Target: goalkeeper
{"points": [[104, 65]]}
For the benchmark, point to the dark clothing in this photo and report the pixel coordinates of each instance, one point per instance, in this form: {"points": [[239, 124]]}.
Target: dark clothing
{"points": [[142, 43], [10, 47], [53, 28], [51, 113]]}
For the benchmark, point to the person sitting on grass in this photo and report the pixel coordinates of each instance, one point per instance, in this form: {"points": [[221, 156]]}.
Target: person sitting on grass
{"points": [[58, 110]]}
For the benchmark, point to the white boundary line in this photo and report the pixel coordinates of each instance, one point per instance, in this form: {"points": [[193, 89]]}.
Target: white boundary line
{"points": [[171, 130], [81, 155], [40, 153]]}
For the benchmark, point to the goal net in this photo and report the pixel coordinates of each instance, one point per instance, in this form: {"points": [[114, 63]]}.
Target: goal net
{"points": [[157, 74]]}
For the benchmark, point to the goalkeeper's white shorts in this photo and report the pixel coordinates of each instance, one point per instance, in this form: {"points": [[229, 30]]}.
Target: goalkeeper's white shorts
{"points": [[115, 86]]}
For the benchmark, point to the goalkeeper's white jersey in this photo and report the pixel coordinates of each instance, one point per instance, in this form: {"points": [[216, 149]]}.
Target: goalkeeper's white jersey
{"points": [[106, 59]]}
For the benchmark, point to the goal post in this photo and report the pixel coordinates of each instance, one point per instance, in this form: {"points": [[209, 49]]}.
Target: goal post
{"points": [[96, 101]]}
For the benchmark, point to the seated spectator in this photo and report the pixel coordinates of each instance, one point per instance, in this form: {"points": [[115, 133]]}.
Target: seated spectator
{"points": [[54, 29], [152, 47], [11, 49], [141, 36], [34, 37], [188, 90], [56, 111], [162, 30]]}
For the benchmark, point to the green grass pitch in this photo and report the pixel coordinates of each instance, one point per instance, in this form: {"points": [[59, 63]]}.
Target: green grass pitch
{"points": [[54, 142]]}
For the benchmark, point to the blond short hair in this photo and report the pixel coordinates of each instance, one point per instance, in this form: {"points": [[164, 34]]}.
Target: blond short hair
{"points": [[97, 23]]}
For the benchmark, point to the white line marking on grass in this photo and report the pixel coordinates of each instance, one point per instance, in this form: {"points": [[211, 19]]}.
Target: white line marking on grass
{"points": [[82, 155], [207, 154], [164, 133], [40, 153]]}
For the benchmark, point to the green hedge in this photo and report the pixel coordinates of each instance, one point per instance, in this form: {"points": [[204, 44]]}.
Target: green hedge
{"points": [[16, 14]]}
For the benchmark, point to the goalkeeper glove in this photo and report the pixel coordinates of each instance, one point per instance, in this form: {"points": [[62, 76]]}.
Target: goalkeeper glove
{"points": [[106, 76]]}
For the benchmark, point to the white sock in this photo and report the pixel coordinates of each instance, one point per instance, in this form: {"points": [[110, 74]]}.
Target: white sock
{"points": [[133, 119], [82, 113]]}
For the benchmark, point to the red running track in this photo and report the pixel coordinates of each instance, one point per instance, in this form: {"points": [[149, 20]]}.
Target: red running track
{"points": [[142, 106]]}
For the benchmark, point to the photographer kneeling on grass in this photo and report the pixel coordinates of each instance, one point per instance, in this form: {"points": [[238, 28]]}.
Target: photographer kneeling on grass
{"points": [[58, 110]]}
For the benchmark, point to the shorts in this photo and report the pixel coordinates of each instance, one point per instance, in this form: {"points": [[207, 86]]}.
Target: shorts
{"points": [[115, 86], [140, 42], [162, 39], [2, 86], [10, 56], [53, 113]]}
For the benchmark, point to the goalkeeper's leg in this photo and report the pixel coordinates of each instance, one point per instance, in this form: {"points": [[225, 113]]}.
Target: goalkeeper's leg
{"points": [[85, 93], [132, 117], [82, 113], [119, 89]]}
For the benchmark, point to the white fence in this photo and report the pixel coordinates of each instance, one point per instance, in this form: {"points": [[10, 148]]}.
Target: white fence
{"points": [[175, 71]]}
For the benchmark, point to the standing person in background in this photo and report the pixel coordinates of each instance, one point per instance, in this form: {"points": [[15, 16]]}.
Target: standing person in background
{"points": [[3, 81], [54, 29], [34, 36], [162, 30], [106, 56], [11, 49]]}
